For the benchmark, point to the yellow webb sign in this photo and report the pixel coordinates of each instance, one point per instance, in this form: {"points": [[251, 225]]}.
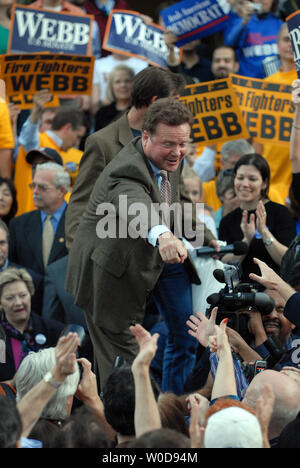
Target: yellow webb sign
{"points": [[267, 108], [61, 74], [217, 116]]}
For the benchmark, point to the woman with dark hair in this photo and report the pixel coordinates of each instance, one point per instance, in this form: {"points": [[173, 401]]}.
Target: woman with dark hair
{"points": [[267, 227], [8, 200]]}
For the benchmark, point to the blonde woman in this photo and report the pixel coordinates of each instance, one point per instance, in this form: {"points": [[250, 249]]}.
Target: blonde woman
{"points": [[118, 94]]}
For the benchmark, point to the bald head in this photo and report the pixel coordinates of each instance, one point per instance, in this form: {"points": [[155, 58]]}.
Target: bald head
{"points": [[287, 398]]}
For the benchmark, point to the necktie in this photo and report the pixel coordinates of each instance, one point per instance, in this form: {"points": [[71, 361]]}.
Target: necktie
{"points": [[165, 187], [48, 237]]}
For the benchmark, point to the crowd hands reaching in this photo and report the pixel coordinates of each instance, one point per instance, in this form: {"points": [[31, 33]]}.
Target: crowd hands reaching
{"points": [[266, 413], [133, 412]]}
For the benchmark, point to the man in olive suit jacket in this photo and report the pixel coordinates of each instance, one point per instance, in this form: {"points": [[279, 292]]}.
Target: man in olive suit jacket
{"points": [[112, 275], [102, 146]]}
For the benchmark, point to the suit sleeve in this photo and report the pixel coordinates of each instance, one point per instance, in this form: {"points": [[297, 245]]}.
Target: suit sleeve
{"points": [[91, 165], [52, 308], [13, 253]]}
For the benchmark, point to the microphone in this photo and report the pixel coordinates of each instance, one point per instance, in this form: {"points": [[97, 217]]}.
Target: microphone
{"points": [[219, 275], [237, 248]]}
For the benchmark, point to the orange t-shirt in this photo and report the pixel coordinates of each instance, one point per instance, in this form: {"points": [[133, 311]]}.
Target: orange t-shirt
{"points": [[6, 133]]}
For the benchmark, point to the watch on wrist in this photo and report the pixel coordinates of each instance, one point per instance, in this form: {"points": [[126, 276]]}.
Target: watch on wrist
{"points": [[49, 379], [269, 241]]}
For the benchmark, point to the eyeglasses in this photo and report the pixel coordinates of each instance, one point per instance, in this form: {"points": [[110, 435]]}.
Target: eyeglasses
{"points": [[41, 187]]}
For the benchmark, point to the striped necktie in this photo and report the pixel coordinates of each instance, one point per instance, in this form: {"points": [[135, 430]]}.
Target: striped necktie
{"points": [[165, 187]]}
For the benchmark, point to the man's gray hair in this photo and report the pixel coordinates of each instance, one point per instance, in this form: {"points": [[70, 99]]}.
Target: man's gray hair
{"points": [[236, 147], [32, 370], [62, 176]]}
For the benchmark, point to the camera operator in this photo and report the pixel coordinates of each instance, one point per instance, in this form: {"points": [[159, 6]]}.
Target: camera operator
{"points": [[272, 281], [264, 338], [267, 328]]}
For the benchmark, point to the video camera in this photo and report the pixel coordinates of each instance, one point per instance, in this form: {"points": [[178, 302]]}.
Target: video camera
{"points": [[231, 300], [236, 296]]}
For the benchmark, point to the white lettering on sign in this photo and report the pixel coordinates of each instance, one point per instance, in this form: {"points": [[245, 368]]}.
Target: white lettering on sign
{"points": [[137, 32], [295, 38], [42, 28]]}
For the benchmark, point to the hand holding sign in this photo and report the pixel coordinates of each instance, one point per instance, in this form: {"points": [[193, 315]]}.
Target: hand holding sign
{"points": [[40, 99], [170, 40], [296, 92]]}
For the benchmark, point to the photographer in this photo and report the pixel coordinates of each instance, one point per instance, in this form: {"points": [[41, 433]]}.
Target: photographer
{"points": [[271, 280], [269, 331], [253, 35], [256, 332]]}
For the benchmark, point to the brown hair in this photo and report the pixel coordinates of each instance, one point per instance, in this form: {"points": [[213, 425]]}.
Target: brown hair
{"points": [[172, 413], [168, 111]]}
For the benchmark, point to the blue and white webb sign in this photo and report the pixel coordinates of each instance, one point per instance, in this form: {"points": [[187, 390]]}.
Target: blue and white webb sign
{"points": [[126, 33], [193, 19], [36, 30], [293, 22]]}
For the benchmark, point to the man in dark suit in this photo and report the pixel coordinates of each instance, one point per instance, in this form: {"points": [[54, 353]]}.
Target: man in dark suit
{"points": [[112, 271], [37, 238], [58, 304], [102, 146]]}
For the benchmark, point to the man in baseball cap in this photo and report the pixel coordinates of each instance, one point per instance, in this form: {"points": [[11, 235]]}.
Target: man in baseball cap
{"points": [[41, 155]]}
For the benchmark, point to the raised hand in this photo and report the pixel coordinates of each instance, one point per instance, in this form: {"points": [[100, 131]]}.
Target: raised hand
{"points": [[248, 227], [65, 356], [147, 344], [201, 327], [261, 217]]}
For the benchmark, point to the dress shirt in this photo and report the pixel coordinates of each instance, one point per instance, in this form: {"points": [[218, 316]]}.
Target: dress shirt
{"points": [[56, 216]]}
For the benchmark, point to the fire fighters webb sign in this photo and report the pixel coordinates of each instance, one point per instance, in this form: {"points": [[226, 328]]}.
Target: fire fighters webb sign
{"points": [[60, 74]]}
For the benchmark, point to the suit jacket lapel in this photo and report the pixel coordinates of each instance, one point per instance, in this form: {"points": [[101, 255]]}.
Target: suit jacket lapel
{"points": [[33, 234], [59, 241], [124, 131]]}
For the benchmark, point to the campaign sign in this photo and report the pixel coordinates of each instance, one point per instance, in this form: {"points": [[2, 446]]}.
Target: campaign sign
{"points": [[293, 22], [267, 108], [217, 116], [60, 74], [25, 101], [36, 30], [193, 19], [127, 34]]}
